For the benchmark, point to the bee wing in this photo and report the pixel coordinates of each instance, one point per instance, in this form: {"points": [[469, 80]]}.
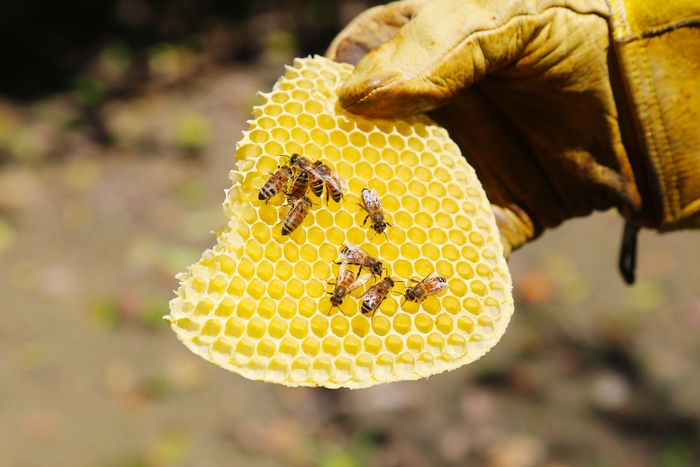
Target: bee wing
{"points": [[359, 282], [433, 283], [373, 297], [371, 200], [353, 254], [336, 180]]}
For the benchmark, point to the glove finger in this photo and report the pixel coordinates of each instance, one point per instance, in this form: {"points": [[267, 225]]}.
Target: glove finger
{"points": [[446, 46], [370, 29]]}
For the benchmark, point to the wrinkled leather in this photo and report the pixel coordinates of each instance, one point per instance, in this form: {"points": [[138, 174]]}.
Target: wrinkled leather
{"points": [[658, 45], [524, 87]]}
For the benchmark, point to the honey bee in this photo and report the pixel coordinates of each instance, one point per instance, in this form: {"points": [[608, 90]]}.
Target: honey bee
{"points": [[275, 183], [431, 285], [346, 282], [353, 254], [300, 208], [320, 173], [376, 295], [299, 187], [375, 212]]}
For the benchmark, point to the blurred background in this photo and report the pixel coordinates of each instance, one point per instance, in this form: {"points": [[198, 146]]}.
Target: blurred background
{"points": [[118, 123]]}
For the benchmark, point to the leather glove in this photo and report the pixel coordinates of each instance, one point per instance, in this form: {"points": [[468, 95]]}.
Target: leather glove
{"points": [[531, 91]]}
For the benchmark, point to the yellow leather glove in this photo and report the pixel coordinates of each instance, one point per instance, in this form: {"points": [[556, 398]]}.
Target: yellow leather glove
{"points": [[532, 92]]}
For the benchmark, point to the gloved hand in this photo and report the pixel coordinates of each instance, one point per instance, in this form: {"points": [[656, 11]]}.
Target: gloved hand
{"points": [[524, 87]]}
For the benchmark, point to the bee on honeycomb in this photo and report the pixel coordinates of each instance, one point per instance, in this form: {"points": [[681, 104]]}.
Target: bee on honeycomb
{"points": [[257, 302]]}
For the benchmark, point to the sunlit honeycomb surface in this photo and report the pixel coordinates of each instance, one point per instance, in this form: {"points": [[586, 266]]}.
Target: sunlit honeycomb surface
{"points": [[256, 304]]}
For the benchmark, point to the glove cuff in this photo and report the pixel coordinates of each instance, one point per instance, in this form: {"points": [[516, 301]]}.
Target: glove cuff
{"points": [[658, 54]]}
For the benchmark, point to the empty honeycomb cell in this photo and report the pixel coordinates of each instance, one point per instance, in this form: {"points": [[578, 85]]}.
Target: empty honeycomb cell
{"points": [[360, 326], [405, 364], [302, 271], [256, 328], [403, 173], [377, 140], [212, 328], [430, 204], [383, 368], [280, 135], [289, 347], [225, 307], [259, 136], [221, 350], [276, 370], [355, 235], [277, 327], [352, 345], [293, 108], [321, 368], [273, 110], [403, 268], [259, 304], [424, 323], [469, 208], [373, 345], [493, 308], [295, 287], [397, 188], [245, 347], [331, 346], [267, 308], [203, 308], [431, 305], [478, 288], [436, 343], [266, 348], [410, 251], [444, 323], [321, 270], [319, 325], [363, 367], [246, 308], [217, 286], [437, 189], [393, 344], [299, 327], [316, 289], [402, 324], [311, 346], [472, 305], [340, 326], [198, 286], [234, 327], [414, 343], [343, 369], [339, 138], [256, 288]]}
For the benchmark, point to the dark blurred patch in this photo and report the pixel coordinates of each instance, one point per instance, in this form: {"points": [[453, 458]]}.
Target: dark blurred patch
{"points": [[48, 46]]}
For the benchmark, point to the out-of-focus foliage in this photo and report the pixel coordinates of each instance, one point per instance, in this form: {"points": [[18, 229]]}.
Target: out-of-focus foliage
{"points": [[95, 46]]}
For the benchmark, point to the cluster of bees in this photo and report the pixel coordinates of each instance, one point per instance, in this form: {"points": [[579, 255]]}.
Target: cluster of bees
{"points": [[299, 175], [347, 281]]}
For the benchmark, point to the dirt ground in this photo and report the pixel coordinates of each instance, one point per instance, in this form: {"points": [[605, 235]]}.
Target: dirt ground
{"points": [[590, 373]]}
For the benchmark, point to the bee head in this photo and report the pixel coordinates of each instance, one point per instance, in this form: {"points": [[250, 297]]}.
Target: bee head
{"points": [[379, 227], [389, 281], [293, 160], [336, 301], [410, 296], [377, 268]]}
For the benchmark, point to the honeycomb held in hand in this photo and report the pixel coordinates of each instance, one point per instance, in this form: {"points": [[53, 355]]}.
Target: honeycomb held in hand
{"points": [[258, 303]]}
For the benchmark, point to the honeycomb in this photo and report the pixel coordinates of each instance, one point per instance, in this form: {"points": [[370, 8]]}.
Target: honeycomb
{"points": [[257, 303]]}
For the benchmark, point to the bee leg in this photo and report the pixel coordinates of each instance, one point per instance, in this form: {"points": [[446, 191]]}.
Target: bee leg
{"points": [[365, 221]]}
